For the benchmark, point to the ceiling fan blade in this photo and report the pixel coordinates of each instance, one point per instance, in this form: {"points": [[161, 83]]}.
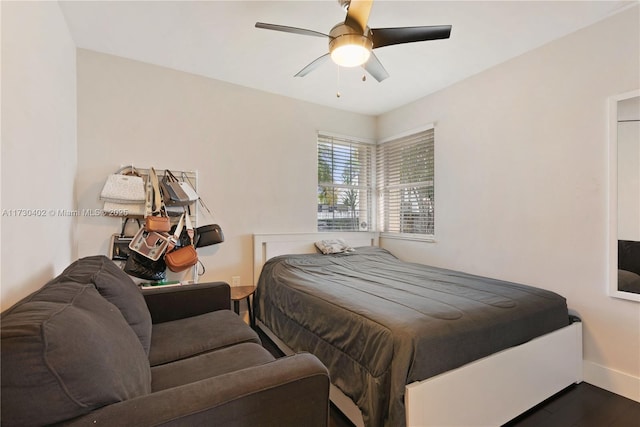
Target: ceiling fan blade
{"points": [[286, 29], [390, 36], [312, 66], [358, 14], [375, 68]]}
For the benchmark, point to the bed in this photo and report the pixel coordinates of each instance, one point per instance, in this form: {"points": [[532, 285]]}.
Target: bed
{"points": [[408, 343]]}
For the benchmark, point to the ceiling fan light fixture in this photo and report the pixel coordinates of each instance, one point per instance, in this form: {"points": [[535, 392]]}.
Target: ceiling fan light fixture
{"points": [[350, 50], [351, 42]]}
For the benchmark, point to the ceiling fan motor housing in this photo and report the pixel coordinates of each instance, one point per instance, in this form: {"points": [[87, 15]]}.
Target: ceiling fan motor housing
{"points": [[343, 38]]}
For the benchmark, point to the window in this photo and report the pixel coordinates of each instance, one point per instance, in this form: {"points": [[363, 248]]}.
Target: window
{"points": [[344, 184], [405, 171]]}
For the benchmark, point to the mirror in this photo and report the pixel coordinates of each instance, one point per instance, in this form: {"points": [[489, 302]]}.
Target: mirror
{"points": [[624, 196]]}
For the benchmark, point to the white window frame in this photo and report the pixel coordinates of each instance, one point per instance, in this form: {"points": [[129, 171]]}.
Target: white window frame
{"points": [[370, 187], [379, 224]]}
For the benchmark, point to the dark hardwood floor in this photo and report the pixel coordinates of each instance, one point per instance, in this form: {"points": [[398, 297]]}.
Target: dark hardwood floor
{"points": [[581, 405]]}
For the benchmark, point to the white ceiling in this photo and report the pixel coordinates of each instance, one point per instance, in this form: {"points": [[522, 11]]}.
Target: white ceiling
{"points": [[217, 39]]}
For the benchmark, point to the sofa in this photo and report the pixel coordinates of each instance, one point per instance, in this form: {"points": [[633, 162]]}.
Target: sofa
{"points": [[91, 348]]}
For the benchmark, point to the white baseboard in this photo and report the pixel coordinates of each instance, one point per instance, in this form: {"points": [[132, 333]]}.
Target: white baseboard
{"points": [[614, 381]]}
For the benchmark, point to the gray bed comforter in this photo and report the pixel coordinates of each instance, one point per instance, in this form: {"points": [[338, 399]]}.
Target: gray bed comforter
{"points": [[378, 323]]}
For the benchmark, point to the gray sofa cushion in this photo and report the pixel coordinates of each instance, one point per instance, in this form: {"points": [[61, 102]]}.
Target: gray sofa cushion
{"points": [[71, 351], [179, 339], [117, 288], [212, 364]]}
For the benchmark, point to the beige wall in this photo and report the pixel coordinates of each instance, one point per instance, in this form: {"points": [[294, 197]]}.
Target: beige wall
{"points": [[38, 146], [255, 152], [522, 180]]}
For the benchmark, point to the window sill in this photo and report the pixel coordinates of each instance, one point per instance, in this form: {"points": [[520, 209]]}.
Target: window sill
{"points": [[410, 237]]}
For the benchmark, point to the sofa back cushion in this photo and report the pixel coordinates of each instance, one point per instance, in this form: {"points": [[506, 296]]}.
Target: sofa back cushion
{"points": [[66, 351], [117, 287]]}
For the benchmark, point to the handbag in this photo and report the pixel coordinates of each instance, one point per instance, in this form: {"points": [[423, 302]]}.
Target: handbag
{"points": [[156, 218], [181, 258], [119, 247], [150, 244], [144, 268], [158, 224], [174, 211], [124, 188], [184, 239], [172, 192], [123, 209], [209, 235], [188, 189]]}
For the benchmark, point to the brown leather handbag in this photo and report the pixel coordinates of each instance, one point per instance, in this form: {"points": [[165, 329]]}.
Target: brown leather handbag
{"points": [[160, 224], [183, 257]]}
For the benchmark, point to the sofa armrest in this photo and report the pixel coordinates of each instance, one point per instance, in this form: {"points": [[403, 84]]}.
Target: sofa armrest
{"points": [[291, 391], [178, 302]]}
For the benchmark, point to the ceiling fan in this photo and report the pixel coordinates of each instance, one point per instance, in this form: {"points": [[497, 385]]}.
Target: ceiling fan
{"points": [[351, 42]]}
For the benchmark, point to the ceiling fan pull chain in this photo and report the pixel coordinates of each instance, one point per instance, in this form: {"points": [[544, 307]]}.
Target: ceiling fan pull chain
{"points": [[338, 83]]}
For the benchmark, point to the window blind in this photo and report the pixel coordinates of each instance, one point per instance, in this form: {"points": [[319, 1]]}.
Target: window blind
{"points": [[344, 184], [405, 174]]}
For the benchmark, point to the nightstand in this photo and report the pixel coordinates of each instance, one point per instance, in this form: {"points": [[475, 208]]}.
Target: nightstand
{"points": [[239, 293]]}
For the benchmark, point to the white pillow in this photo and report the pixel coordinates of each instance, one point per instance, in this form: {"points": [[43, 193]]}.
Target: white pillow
{"points": [[333, 246]]}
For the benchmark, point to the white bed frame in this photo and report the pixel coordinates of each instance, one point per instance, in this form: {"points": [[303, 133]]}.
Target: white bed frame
{"points": [[487, 392]]}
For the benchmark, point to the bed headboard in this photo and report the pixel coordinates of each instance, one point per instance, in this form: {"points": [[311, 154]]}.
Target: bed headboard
{"points": [[267, 246]]}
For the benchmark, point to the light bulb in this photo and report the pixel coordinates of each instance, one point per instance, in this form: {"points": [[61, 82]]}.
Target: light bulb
{"points": [[350, 55], [348, 48]]}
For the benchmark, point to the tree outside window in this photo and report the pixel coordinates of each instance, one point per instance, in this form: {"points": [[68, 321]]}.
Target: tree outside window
{"points": [[344, 193]]}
